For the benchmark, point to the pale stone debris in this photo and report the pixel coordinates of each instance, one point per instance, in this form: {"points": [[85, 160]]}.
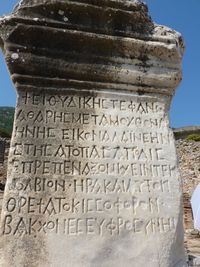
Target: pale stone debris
{"points": [[92, 173]]}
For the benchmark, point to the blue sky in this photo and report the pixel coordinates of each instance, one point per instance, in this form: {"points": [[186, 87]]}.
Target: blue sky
{"points": [[182, 15]]}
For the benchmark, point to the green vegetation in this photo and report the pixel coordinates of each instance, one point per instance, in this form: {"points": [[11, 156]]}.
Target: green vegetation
{"points": [[6, 121], [4, 134], [193, 137]]}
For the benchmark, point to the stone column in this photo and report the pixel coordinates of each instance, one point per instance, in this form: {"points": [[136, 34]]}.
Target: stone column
{"points": [[92, 176]]}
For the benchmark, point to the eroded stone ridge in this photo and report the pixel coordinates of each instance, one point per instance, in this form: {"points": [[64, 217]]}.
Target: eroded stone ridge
{"points": [[92, 175], [106, 44]]}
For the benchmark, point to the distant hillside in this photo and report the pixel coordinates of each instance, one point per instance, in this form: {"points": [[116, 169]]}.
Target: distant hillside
{"points": [[6, 120]]}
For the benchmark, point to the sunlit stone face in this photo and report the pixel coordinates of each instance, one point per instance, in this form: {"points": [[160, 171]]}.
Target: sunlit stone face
{"points": [[92, 175]]}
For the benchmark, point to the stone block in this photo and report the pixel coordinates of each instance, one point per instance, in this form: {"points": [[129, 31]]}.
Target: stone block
{"points": [[92, 173]]}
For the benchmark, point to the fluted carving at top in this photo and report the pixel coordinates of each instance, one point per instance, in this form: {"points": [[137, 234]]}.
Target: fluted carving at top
{"points": [[90, 44]]}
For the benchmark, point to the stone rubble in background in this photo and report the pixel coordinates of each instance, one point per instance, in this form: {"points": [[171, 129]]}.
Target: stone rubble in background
{"points": [[189, 161]]}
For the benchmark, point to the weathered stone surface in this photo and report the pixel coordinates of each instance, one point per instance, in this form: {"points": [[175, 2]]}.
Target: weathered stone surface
{"points": [[92, 175], [189, 161], [106, 44]]}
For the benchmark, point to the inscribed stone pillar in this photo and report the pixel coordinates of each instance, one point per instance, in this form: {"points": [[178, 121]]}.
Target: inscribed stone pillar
{"points": [[92, 176]]}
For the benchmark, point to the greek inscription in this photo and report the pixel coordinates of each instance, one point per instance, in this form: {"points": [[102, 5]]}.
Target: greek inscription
{"points": [[103, 136], [106, 153], [88, 226], [60, 205], [79, 168], [74, 118], [106, 136], [28, 131], [88, 102], [89, 152], [91, 185]]}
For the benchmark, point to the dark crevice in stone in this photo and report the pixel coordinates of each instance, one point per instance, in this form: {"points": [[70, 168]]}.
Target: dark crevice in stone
{"points": [[2, 186]]}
